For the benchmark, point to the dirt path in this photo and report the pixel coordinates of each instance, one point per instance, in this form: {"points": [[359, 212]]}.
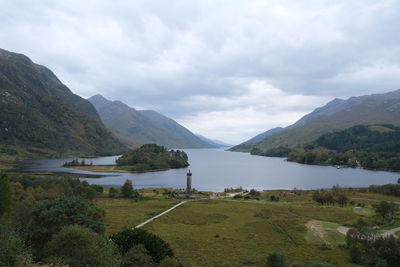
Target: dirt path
{"points": [[161, 214]]}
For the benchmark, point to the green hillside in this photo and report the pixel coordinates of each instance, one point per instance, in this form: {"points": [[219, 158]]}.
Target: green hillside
{"points": [[338, 115], [39, 116], [249, 144], [372, 147]]}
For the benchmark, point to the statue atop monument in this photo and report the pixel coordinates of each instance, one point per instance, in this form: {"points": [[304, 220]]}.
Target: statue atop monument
{"points": [[189, 184]]}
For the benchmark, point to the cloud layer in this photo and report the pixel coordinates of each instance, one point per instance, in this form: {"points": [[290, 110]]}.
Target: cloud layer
{"points": [[225, 69]]}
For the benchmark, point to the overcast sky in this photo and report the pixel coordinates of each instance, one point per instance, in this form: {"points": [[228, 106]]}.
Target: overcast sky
{"points": [[225, 69]]}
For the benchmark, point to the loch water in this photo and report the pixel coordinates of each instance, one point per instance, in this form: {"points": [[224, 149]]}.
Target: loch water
{"points": [[216, 169]]}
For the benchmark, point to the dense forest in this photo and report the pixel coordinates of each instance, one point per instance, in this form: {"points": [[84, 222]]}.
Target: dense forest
{"points": [[376, 138], [42, 216], [371, 147], [152, 157]]}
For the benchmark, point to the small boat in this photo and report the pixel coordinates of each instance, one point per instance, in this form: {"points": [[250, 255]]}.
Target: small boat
{"points": [[338, 167]]}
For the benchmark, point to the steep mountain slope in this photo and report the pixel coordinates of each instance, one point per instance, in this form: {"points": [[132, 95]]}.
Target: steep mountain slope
{"points": [[145, 126], [40, 115], [338, 115], [262, 136], [249, 144], [186, 138], [213, 142]]}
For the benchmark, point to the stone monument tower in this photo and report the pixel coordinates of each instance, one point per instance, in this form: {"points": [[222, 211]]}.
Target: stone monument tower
{"points": [[189, 184]]}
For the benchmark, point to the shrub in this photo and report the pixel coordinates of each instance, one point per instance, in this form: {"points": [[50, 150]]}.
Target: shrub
{"points": [[276, 260], [49, 216], [127, 189], [367, 247], [248, 262], [79, 246], [157, 248], [13, 251], [112, 192], [274, 198], [137, 256], [254, 193]]}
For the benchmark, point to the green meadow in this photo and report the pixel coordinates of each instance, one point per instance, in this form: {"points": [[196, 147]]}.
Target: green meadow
{"points": [[243, 231]]}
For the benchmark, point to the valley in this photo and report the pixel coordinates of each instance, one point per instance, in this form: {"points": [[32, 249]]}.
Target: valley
{"points": [[83, 174]]}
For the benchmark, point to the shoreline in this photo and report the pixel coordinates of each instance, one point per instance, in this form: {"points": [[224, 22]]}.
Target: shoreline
{"points": [[111, 169]]}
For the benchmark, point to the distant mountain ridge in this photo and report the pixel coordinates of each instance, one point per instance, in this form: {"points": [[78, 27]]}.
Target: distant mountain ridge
{"points": [[214, 142], [137, 127], [338, 114], [40, 116]]}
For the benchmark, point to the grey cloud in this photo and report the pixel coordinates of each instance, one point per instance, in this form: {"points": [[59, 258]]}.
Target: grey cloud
{"points": [[162, 54]]}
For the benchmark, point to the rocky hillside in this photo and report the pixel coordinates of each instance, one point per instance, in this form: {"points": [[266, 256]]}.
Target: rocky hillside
{"points": [[40, 116], [144, 127]]}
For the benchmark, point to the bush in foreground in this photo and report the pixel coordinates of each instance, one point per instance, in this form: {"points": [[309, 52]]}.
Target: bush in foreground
{"points": [[137, 256], [157, 248], [49, 216], [13, 251], [79, 246], [276, 260]]}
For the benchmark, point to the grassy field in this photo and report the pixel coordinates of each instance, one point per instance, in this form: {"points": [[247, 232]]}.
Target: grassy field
{"points": [[391, 226], [125, 213], [243, 231], [112, 168], [100, 168], [306, 195], [238, 231], [372, 197], [6, 162]]}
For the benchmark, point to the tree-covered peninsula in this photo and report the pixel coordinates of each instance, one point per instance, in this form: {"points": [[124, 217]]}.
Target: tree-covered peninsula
{"points": [[152, 157]]}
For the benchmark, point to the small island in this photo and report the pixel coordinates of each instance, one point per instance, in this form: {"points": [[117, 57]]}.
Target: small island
{"points": [[147, 158]]}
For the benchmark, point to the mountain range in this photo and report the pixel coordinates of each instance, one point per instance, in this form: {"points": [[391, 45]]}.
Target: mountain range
{"points": [[338, 114], [40, 116], [214, 142], [145, 126]]}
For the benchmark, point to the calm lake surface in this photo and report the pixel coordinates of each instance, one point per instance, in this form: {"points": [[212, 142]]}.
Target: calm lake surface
{"points": [[215, 170]]}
